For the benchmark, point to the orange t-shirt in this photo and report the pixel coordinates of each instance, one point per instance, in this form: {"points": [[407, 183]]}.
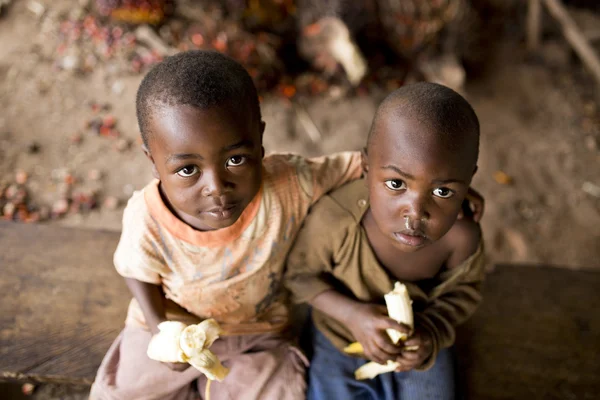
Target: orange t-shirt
{"points": [[232, 274]]}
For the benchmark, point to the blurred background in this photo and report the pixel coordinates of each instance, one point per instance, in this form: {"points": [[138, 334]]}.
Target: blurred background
{"points": [[69, 70]]}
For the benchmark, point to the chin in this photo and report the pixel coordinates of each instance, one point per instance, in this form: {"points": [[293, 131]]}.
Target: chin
{"points": [[221, 223], [408, 249]]}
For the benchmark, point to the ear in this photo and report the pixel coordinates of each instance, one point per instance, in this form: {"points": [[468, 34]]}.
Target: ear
{"points": [[149, 155], [364, 161], [262, 128], [474, 172]]}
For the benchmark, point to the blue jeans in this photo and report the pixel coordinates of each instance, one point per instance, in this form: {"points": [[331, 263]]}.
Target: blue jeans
{"points": [[331, 377]]}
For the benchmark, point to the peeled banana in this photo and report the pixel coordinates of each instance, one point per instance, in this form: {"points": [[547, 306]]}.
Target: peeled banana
{"points": [[177, 342], [164, 346], [399, 306]]}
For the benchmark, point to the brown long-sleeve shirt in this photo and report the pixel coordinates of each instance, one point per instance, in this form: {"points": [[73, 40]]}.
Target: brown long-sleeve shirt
{"points": [[332, 252]]}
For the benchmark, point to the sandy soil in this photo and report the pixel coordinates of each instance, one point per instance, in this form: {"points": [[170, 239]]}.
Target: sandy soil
{"points": [[540, 122]]}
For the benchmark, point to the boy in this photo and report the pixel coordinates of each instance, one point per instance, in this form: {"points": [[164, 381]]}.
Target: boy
{"points": [[400, 223], [209, 237]]}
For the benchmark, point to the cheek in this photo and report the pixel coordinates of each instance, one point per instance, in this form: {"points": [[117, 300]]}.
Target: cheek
{"points": [[249, 181], [181, 196], [443, 219], [383, 206]]}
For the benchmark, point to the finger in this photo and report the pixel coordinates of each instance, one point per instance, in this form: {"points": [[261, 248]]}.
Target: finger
{"points": [[385, 344], [178, 366], [409, 363], [409, 356], [413, 341], [370, 354], [383, 354], [381, 309], [388, 323], [402, 367], [377, 356]]}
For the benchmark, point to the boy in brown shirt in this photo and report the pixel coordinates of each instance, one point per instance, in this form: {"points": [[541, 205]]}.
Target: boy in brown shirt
{"points": [[402, 222]]}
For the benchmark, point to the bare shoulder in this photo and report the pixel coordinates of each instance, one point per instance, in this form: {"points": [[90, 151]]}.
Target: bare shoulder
{"points": [[462, 241]]}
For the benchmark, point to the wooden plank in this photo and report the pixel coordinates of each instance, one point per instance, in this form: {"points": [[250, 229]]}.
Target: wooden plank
{"points": [[61, 302], [534, 16], [536, 336], [575, 37]]}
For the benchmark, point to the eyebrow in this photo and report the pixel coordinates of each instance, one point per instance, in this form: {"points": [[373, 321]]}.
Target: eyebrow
{"points": [[398, 171], [242, 143], [194, 156], [435, 181], [185, 156]]}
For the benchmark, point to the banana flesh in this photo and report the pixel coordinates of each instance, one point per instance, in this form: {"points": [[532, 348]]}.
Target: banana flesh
{"points": [[399, 306], [164, 346], [177, 342], [371, 369]]}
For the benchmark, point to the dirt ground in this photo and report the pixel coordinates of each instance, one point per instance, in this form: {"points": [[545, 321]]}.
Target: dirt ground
{"points": [[539, 167]]}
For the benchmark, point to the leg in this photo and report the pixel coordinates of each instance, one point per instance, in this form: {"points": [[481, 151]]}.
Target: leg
{"points": [[331, 373], [436, 383], [127, 373], [273, 369]]}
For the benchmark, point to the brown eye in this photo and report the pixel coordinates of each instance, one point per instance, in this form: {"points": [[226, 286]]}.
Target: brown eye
{"points": [[443, 192], [236, 161], [395, 184], [187, 171]]}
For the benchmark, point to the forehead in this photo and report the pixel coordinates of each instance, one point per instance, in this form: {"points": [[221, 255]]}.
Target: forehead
{"points": [[185, 127], [419, 149]]}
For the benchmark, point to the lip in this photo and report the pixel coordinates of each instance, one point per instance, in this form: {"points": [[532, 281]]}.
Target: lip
{"points": [[413, 239], [222, 213]]}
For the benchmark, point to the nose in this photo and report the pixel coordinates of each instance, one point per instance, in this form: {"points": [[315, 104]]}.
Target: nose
{"points": [[414, 210], [214, 184]]}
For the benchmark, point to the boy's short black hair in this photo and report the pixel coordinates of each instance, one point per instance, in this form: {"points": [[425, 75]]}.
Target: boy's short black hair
{"points": [[438, 107], [198, 78]]}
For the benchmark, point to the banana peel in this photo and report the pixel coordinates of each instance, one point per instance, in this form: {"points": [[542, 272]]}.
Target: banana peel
{"points": [[177, 342]]}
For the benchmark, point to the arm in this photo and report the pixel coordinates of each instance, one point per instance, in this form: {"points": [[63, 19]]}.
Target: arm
{"points": [[320, 175], [150, 298], [454, 300]]}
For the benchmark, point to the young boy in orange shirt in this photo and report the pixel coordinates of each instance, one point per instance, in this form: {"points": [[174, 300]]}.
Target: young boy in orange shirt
{"points": [[208, 238]]}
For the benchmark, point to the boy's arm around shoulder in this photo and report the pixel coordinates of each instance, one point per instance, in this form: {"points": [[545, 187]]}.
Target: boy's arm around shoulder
{"points": [[316, 250], [458, 295], [320, 175]]}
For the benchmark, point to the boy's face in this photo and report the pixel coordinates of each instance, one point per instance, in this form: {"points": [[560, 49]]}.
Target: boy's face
{"points": [[416, 183], [209, 163]]}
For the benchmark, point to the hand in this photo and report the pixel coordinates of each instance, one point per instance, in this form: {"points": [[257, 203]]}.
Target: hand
{"points": [[368, 325], [411, 359], [473, 205], [179, 367]]}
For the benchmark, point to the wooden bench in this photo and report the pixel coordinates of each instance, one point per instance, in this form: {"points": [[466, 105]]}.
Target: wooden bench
{"points": [[61, 302], [536, 336]]}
